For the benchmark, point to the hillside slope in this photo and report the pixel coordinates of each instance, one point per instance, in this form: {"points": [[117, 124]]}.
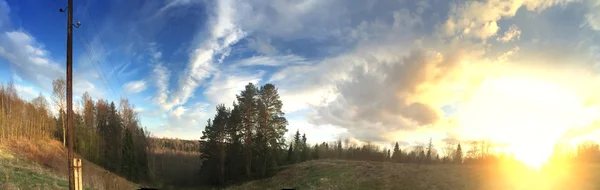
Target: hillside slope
{"points": [[337, 174], [42, 164]]}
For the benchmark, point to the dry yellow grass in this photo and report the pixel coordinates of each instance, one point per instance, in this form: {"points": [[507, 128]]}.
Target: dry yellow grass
{"points": [[334, 174], [44, 162]]}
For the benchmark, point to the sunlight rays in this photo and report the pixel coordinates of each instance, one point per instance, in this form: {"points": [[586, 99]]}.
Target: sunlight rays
{"points": [[527, 113]]}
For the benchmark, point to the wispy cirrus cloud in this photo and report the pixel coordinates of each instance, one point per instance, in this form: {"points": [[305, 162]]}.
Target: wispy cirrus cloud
{"points": [[273, 61], [135, 86]]}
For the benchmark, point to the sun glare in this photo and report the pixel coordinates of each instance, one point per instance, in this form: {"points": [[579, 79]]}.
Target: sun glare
{"points": [[528, 114]]}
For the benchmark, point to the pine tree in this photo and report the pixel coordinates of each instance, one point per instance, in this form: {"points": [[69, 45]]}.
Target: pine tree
{"points": [[248, 106], [297, 145], [458, 154], [219, 125], [429, 148], [397, 153], [304, 148], [112, 137], [104, 124], [234, 158], [128, 163], [214, 150], [272, 123], [290, 154]]}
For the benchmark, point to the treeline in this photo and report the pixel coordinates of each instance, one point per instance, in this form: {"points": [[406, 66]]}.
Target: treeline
{"points": [[20, 118], [175, 144], [585, 152], [477, 153], [175, 161], [299, 151], [106, 134], [474, 152], [246, 140]]}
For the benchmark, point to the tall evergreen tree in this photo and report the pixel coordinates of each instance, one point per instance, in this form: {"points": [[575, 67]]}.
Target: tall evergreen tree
{"points": [[113, 136], [290, 153], [249, 108], [105, 123], [219, 124], [429, 148], [458, 154], [297, 145], [214, 150], [128, 164], [272, 123], [397, 153], [234, 158], [304, 148]]}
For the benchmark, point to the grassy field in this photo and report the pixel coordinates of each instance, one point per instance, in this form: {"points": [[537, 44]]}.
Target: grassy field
{"points": [[330, 174], [42, 164], [18, 174]]}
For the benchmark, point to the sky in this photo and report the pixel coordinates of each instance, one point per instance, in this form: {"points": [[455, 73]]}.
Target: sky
{"points": [[378, 71]]}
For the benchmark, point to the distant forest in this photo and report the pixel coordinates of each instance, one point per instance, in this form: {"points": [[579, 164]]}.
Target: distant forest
{"points": [[242, 142]]}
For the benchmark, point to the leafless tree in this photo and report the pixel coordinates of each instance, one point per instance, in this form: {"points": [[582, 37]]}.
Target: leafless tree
{"points": [[59, 89], [449, 150]]}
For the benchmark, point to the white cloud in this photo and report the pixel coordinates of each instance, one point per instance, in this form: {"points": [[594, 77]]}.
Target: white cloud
{"points": [[192, 117], [177, 112], [274, 61], [593, 16], [138, 109], [177, 3], [225, 85], [29, 59], [26, 92], [262, 45], [161, 76], [135, 86], [83, 86], [314, 134], [478, 19], [379, 97], [223, 33], [507, 55], [513, 33]]}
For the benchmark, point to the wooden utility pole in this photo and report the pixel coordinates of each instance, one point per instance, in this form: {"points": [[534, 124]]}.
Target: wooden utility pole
{"points": [[70, 127]]}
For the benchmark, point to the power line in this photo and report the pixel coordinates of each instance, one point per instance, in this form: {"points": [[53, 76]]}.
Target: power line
{"points": [[105, 50], [106, 83], [95, 59], [96, 64]]}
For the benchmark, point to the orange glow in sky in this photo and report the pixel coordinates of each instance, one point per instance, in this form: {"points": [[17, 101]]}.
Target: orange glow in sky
{"points": [[527, 112]]}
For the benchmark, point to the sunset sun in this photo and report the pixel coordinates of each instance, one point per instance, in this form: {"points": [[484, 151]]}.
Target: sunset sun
{"points": [[527, 114]]}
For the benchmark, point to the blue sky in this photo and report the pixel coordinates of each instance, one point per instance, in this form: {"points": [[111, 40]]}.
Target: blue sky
{"points": [[377, 71]]}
